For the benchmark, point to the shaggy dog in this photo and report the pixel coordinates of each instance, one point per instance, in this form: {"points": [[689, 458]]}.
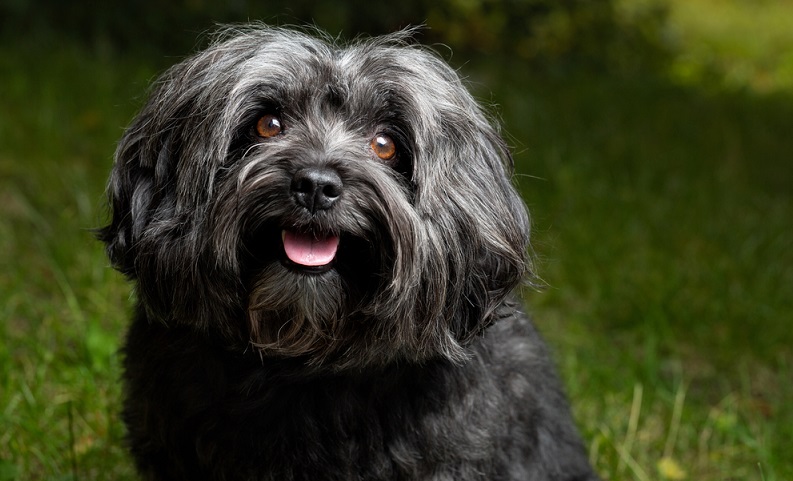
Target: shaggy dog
{"points": [[323, 241]]}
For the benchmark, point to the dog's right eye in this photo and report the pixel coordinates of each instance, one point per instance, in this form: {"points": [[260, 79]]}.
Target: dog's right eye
{"points": [[269, 125], [383, 147]]}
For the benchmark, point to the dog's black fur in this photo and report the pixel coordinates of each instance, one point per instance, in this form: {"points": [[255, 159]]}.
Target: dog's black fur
{"points": [[402, 357]]}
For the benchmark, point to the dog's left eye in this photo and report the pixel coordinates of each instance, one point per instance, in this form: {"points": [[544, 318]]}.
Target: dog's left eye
{"points": [[383, 146], [269, 125]]}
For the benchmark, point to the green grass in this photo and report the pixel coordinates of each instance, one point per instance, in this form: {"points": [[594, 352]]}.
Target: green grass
{"points": [[662, 223], [62, 309]]}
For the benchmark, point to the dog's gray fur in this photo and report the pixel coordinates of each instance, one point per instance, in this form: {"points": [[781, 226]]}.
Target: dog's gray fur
{"points": [[406, 360]]}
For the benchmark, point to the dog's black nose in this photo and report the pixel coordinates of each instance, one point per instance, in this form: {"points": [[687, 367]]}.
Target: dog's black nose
{"points": [[316, 188]]}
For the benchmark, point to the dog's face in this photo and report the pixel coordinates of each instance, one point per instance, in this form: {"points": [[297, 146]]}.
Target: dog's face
{"points": [[350, 205]]}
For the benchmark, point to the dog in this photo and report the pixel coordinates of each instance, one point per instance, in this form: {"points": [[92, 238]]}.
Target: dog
{"points": [[324, 241]]}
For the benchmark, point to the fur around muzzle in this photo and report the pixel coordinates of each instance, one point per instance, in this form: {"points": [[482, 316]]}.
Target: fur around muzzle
{"points": [[429, 244]]}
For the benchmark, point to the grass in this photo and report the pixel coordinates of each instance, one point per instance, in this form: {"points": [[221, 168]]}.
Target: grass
{"points": [[662, 221], [62, 308], [662, 218]]}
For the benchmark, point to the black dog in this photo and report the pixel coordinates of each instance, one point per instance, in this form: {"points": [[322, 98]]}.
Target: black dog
{"points": [[323, 241]]}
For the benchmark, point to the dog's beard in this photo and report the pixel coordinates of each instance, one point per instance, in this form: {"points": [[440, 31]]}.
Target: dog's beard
{"points": [[296, 315]]}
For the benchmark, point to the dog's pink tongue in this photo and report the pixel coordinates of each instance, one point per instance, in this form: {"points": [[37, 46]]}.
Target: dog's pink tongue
{"points": [[306, 250]]}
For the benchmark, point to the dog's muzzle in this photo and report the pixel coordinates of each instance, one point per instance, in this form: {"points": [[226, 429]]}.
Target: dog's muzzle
{"points": [[315, 189]]}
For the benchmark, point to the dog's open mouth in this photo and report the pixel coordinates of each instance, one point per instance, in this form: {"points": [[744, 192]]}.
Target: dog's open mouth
{"points": [[308, 251]]}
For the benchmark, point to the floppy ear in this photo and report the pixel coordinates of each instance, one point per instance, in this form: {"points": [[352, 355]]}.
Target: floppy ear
{"points": [[489, 220], [159, 194], [143, 164], [129, 193], [143, 185], [502, 236], [476, 220]]}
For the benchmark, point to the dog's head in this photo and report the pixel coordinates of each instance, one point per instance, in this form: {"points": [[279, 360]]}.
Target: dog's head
{"points": [[346, 204]]}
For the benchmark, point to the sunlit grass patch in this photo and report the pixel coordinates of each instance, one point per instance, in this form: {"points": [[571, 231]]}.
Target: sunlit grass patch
{"points": [[745, 43]]}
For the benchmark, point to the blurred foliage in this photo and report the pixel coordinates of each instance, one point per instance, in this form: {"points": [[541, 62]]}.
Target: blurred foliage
{"points": [[543, 32], [733, 43]]}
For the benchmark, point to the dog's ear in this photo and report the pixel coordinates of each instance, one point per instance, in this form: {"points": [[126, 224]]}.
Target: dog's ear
{"points": [[493, 221], [479, 222], [130, 197], [143, 184], [138, 186], [502, 233], [159, 194]]}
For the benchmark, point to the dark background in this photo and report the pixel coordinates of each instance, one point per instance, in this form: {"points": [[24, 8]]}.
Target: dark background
{"points": [[535, 31]]}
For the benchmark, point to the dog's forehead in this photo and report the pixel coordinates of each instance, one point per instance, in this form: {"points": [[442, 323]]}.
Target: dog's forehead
{"points": [[303, 71]]}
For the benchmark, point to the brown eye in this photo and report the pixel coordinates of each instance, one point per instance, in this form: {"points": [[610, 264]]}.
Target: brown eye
{"points": [[383, 146], [269, 126]]}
